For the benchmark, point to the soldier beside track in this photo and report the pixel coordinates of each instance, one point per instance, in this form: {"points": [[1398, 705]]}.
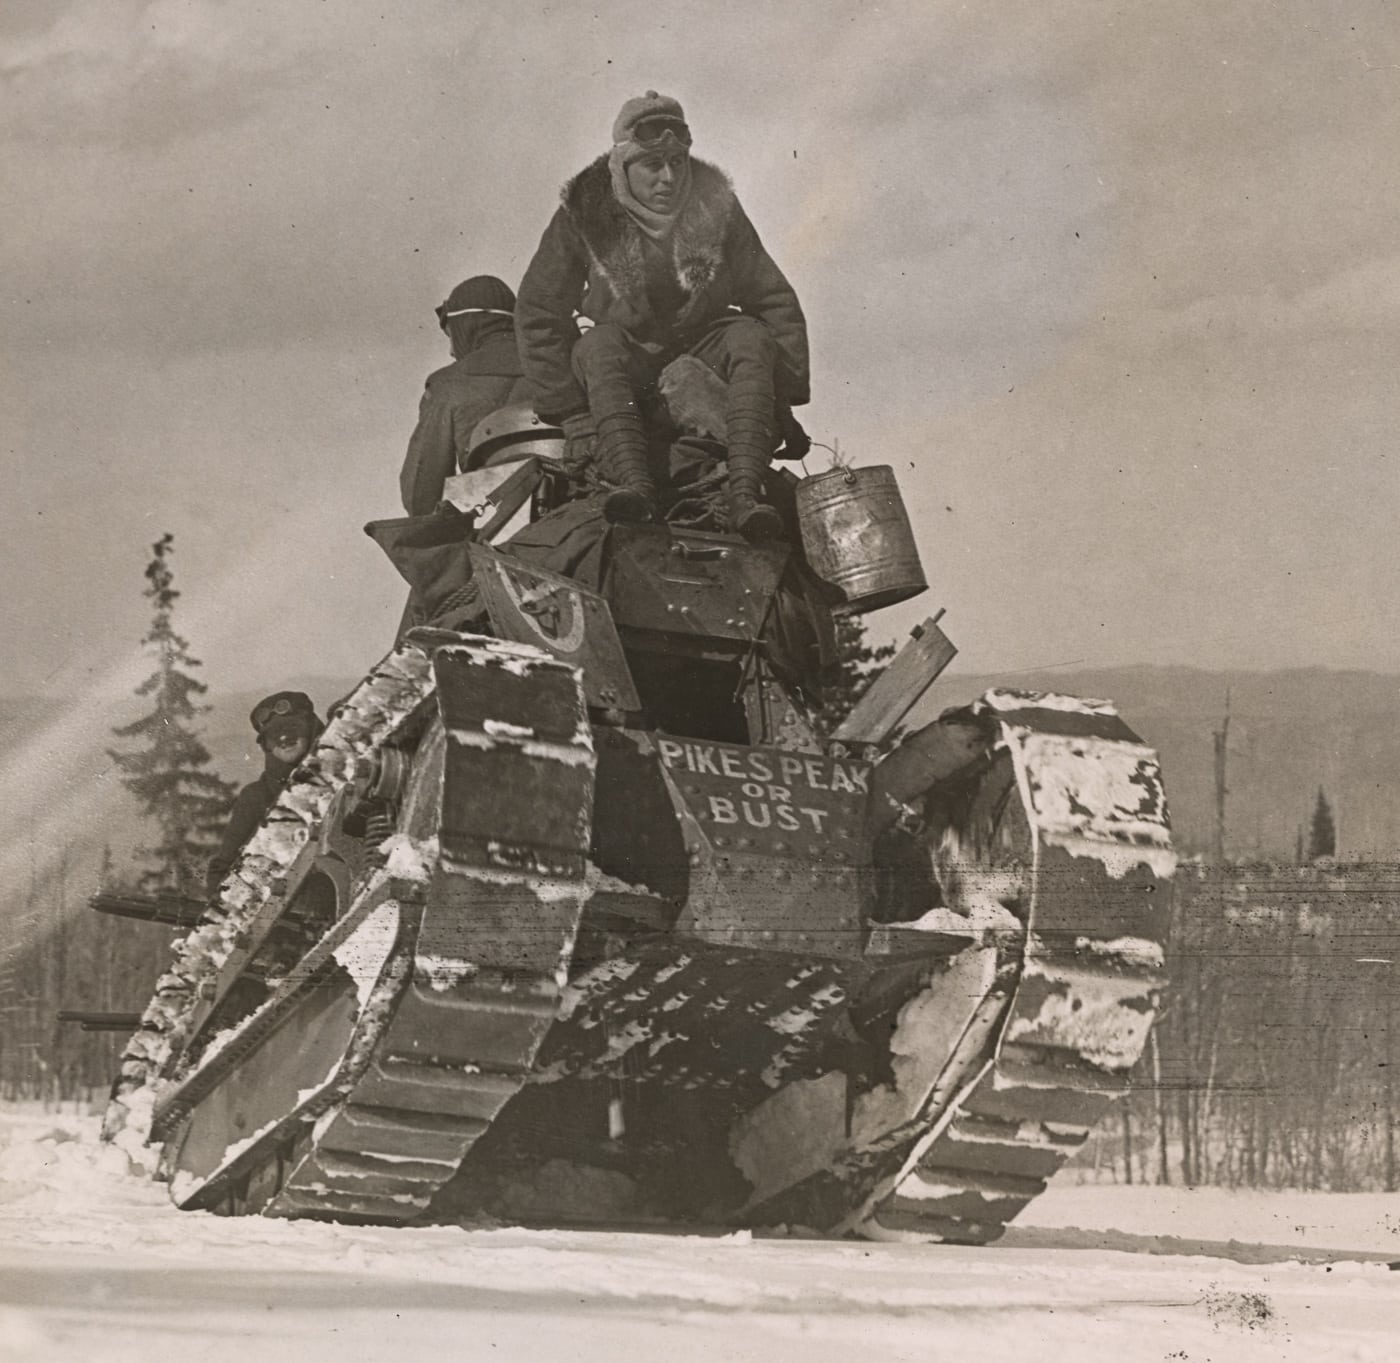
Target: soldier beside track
{"points": [[286, 725]]}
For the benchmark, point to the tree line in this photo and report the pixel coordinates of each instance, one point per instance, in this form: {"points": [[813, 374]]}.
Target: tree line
{"points": [[60, 956], [1272, 1063]]}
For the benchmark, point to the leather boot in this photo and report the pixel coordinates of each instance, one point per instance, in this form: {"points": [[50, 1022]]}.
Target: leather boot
{"points": [[751, 428], [622, 461]]}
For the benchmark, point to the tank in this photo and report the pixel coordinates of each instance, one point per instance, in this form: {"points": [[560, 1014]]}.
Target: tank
{"points": [[646, 946]]}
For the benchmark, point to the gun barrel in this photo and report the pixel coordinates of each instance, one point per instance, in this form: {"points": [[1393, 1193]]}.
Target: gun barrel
{"points": [[172, 909], [100, 1022]]}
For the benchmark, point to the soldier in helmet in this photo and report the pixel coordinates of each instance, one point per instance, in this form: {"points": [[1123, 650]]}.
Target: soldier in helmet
{"points": [[286, 725], [652, 245], [478, 319]]}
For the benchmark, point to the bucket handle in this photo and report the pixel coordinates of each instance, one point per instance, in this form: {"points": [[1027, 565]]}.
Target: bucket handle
{"points": [[847, 472]]}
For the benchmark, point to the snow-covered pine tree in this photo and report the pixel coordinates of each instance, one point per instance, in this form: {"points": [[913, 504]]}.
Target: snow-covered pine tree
{"points": [[1322, 841], [856, 667], [169, 773]]}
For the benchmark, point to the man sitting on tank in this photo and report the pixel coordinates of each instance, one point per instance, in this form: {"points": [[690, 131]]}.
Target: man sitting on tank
{"points": [[287, 725], [651, 245]]}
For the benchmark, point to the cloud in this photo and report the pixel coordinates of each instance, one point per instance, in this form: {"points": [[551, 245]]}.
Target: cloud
{"points": [[1352, 304], [334, 181], [125, 74], [1359, 297]]}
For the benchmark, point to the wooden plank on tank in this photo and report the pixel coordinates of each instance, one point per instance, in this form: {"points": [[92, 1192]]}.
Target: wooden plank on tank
{"points": [[900, 686]]}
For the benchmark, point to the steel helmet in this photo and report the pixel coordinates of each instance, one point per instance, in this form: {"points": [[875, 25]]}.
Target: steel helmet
{"points": [[510, 434]]}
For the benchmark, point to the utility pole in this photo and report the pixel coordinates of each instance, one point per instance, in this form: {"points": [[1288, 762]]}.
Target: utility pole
{"points": [[1388, 986], [1221, 736], [1390, 1171]]}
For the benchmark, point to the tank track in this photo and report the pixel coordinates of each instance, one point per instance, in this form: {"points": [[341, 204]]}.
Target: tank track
{"points": [[439, 1034], [263, 879], [1031, 1108], [1085, 831]]}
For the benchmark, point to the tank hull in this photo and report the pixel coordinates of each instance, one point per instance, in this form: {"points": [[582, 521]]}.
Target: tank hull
{"points": [[511, 1010]]}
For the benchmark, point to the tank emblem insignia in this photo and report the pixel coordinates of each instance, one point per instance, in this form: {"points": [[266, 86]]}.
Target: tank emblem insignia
{"points": [[552, 611], [531, 605]]}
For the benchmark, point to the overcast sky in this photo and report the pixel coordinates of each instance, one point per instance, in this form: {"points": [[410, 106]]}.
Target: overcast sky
{"points": [[1116, 288]]}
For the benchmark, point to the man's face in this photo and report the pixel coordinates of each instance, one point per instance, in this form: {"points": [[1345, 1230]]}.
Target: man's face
{"points": [[288, 743], [655, 178]]}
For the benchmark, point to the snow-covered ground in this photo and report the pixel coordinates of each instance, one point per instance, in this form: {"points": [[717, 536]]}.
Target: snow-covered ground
{"points": [[97, 1267]]}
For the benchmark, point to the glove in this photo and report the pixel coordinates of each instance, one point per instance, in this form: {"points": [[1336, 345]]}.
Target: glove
{"points": [[580, 433], [796, 442]]}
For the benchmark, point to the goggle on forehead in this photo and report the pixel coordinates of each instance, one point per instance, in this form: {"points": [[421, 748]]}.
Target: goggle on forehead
{"points": [[265, 714], [654, 132]]}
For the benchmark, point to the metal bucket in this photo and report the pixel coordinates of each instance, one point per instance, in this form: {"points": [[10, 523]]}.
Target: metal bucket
{"points": [[857, 537]]}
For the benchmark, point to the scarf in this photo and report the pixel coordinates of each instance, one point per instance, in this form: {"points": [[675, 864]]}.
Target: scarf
{"points": [[657, 226]]}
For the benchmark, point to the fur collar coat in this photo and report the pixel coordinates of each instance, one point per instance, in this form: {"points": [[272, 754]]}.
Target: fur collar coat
{"points": [[593, 261]]}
